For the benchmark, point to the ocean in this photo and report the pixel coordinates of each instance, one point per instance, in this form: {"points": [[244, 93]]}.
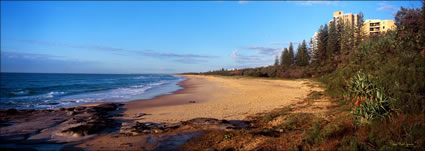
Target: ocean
{"points": [[52, 90]]}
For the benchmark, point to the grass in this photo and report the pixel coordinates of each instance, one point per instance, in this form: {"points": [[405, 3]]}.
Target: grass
{"points": [[306, 131], [276, 113]]}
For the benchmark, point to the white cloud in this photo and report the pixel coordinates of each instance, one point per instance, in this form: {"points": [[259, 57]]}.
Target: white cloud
{"points": [[265, 50], [387, 7], [247, 61], [309, 3], [242, 1], [286, 44], [176, 57]]}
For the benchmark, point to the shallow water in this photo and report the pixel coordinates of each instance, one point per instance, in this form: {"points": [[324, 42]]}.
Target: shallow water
{"points": [[43, 91]]}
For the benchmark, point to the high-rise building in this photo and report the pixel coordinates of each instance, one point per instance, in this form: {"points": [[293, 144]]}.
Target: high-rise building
{"points": [[376, 26], [314, 41], [370, 26], [349, 18]]}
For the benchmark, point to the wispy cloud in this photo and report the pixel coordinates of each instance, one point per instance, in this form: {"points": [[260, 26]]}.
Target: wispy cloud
{"points": [[242, 1], [35, 62], [387, 7], [171, 55], [248, 61], [244, 58], [265, 50], [285, 43], [56, 44], [29, 56], [310, 3], [181, 58]]}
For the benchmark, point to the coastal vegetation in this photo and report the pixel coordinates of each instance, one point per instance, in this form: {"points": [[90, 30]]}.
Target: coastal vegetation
{"points": [[376, 82]]}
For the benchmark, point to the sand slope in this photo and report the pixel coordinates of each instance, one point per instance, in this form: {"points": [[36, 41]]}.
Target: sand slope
{"points": [[218, 97]]}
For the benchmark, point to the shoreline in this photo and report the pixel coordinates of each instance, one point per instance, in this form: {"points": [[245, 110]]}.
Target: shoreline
{"points": [[180, 84], [63, 94], [224, 101]]}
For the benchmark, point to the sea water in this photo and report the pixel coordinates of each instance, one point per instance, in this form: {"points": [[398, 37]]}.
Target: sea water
{"points": [[52, 90]]}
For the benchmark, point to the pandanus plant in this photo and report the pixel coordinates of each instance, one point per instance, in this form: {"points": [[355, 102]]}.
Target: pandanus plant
{"points": [[370, 101]]}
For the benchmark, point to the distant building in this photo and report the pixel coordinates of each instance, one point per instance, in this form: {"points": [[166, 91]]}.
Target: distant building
{"points": [[314, 41], [351, 19], [376, 26], [370, 26]]}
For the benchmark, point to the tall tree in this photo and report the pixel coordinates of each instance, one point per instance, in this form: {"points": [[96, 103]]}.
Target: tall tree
{"points": [[297, 55], [276, 61], [333, 40], [347, 39], [302, 58], [282, 57], [322, 42], [411, 25], [291, 53], [358, 29], [285, 60], [310, 50]]}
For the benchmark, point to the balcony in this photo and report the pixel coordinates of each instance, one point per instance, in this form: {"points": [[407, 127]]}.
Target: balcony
{"points": [[374, 24]]}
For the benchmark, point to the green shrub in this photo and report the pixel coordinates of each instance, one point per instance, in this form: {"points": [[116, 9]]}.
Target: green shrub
{"points": [[370, 100], [313, 136]]}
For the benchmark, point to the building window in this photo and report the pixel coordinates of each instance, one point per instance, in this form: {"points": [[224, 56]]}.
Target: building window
{"points": [[383, 27], [371, 29], [371, 24]]}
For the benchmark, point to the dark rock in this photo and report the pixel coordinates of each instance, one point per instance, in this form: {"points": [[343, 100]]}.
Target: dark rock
{"points": [[79, 108], [229, 149], [70, 113], [202, 121], [210, 149], [149, 127], [141, 114], [106, 107], [192, 101], [94, 120], [151, 139], [11, 111], [70, 109]]}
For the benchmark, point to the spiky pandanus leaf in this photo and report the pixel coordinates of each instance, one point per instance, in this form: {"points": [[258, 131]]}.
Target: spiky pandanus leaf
{"points": [[371, 101]]}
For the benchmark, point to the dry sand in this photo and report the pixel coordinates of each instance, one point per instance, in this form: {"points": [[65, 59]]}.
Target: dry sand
{"points": [[229, 98]]}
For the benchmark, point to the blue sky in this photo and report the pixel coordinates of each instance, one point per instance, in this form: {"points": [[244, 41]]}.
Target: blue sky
{"points": [[162, 37]]}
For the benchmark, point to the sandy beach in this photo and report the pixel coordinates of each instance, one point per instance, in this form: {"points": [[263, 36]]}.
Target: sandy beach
{"points": [[229, 98], [206, 102]]}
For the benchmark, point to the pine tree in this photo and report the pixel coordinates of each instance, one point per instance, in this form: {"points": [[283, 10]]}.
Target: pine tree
{"points": [[285, 61], [291, 54], [333, 40], [310, 50], [298, 56], [276, 61], [308, 53], [358, 29], [282, 57], [302, 57], [347, 40], [322, 42]]}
